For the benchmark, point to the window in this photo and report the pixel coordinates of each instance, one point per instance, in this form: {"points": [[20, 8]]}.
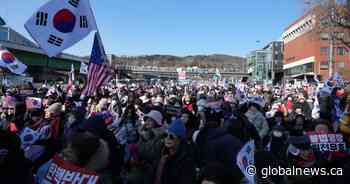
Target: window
{"points": [[324, 36], [324, 65], [324, 50], [3, 34], [341, 51], [339, 35], [340, 64]]}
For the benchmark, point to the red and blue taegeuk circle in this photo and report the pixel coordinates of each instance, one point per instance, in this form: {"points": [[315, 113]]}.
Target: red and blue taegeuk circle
{"points": [[7, 57], [64, 21]]}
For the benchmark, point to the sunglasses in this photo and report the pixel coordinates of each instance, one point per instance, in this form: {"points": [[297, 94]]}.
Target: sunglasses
{"points": [[170, 136]]}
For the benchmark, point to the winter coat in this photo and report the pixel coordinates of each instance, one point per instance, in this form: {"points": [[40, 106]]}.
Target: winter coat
{"points": [[149, 150], [259, 121], [344, 127], [97, 126], [180, 168], [216, 145], [15, 168], [98, 164]]}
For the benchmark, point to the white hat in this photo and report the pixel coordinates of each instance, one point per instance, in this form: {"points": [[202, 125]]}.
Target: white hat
{"points": [[156, 116], [144, 99]]}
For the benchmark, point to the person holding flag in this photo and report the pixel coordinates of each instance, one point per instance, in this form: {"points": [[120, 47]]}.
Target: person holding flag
{"points": [[70, 81]]}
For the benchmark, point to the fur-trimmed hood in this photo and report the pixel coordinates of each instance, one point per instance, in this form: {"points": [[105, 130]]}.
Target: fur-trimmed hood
{"points": [[99, 160]]}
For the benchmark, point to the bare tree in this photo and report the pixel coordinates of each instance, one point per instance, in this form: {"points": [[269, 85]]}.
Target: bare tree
{"points": [[331, 22]]}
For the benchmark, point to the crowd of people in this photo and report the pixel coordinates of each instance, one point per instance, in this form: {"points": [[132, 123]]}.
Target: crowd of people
{"points": [[168, 133]]}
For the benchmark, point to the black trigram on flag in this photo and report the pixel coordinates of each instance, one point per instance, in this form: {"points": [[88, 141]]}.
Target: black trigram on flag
{"points": [[54, 40], [41, 19], [14, 67], [83, 22], [74, 3]]}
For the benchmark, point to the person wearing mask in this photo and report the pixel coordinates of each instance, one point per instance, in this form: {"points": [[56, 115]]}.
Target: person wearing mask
{"points": [[151, 134], [176, 164], [257, 119], [297, 128]]}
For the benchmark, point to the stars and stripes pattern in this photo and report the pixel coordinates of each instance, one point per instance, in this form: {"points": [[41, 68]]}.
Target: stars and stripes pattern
{"points": [[70, 81], [98, 70]]}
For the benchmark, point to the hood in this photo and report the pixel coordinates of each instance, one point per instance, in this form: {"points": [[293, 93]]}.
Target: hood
{"points": [[100, 159], [253, 115], [214, 133]]}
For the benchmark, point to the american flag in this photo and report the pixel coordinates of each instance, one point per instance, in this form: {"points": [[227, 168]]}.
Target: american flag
{"points": [[70, 81], [98, 71]]}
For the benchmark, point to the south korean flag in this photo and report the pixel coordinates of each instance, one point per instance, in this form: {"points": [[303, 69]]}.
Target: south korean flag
{"points": [[59, 24], [9, 61]]}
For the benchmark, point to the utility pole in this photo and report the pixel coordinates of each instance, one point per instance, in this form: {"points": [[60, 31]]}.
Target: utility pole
{"points": [[331, 48], [273, 63], [331, 40]]}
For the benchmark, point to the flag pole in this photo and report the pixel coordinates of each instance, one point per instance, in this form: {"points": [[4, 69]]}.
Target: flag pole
{"points": [[46, 67]]}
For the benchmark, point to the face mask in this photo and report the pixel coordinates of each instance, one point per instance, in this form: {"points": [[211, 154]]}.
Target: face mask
{"points": [[10, 117], [146, 134]]}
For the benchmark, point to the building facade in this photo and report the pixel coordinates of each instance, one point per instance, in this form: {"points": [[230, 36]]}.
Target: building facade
{"points": [[307, 50], [266, 64], [165, 67]]}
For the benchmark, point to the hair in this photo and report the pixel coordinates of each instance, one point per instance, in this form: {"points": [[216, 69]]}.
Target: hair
{"points": [[36, 112], [257, 106], [322, 122], [217, 173], [193, 120], [85, 145], [212, 117], [300, 116]]}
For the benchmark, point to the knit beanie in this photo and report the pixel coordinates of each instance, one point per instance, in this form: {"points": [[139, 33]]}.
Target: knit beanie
{"points": [[178, 128]]}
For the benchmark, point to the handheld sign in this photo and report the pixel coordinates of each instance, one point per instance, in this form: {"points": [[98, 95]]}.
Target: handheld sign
{"points": [[327, 142]]}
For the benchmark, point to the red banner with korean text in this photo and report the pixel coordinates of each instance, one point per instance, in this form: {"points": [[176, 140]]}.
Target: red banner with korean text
{"points": [[61, 171]]}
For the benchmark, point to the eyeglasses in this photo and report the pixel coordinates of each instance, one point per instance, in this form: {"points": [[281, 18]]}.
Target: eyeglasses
{"points": [[5, 109], [170, 136]]}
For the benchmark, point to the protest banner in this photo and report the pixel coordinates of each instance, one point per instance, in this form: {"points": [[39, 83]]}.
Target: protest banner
{"points": [[61, 171], [327, 142]]}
